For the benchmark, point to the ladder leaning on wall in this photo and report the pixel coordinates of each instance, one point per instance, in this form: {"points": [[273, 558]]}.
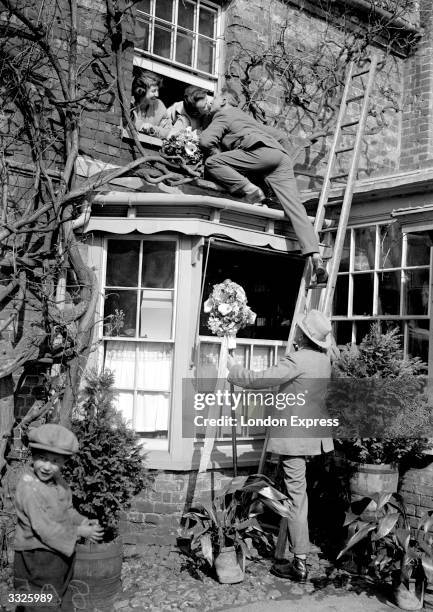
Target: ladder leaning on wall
{"points": [[322, 297]]}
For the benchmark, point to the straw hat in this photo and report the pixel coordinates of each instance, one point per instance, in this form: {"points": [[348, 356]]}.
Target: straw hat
{"points": [[317, 327]]}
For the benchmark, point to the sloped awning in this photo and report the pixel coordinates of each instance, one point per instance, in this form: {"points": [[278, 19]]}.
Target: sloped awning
{"points": [[121, 212]]}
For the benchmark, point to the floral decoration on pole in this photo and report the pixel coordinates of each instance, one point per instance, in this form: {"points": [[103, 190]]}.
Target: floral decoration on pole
{"points": [[228, 313]]}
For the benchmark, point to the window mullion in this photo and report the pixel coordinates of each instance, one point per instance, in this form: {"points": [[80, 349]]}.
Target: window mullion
{"points": [[376, 271], [152, 24], [195, 34], [351, 268], [174, 31]]}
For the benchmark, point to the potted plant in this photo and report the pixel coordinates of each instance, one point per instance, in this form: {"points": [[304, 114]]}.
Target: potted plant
{"points": [[378, 398], [104, 475], [390, 550], [221, 532]]}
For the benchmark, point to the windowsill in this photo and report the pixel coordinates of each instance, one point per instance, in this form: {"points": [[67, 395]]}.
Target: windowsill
{"points": [[145, 138], [173, 71]]}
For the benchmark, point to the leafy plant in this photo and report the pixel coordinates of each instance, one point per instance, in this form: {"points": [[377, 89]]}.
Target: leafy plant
{"points": [[108, 469], [231, 519], [389, 546], [378, 397]]}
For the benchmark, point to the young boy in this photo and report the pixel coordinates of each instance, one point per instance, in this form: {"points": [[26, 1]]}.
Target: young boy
{"points": [[47, 525]]}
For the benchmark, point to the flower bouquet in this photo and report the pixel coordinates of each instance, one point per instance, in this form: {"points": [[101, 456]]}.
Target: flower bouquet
{"points": [[228, 310], [183, 149]]}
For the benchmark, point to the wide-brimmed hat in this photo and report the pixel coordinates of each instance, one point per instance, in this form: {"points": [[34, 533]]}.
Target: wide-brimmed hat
{"points": [[317, 327], [53, 438]]}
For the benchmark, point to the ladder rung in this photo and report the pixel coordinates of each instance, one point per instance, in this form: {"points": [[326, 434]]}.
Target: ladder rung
{"points": [[354, 98], [360, 73], [350, 123], [337, 176], [343, 150]]}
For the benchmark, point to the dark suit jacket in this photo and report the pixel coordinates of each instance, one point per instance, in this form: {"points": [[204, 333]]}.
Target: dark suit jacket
{"points": [[231, 128], [304, 372]]}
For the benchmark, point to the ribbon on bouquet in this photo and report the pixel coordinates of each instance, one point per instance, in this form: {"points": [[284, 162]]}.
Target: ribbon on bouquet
{"points": [[228, 343]]}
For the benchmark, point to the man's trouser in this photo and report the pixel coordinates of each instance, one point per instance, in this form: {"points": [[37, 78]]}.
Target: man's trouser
{"points": [[294, 530], [276, 166]]}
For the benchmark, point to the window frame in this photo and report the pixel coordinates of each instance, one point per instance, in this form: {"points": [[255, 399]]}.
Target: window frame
{"points": [[172, 68], [401, 317], [151, 443]]}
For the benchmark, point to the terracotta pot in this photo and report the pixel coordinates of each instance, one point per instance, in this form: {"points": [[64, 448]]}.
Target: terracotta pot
{"points": [[228, 566], [410, 596], [369, 479]]}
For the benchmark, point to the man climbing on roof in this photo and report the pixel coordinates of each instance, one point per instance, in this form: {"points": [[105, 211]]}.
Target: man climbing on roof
{"points": [[236, 144]]}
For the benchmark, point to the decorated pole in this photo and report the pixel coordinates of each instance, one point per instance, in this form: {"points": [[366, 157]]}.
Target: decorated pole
{"points": [[228, 313]]}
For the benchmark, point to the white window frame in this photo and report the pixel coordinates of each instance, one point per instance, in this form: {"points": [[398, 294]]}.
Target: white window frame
{"points": [[400, 317], [151, 443], [172, 68], [275, 347]]}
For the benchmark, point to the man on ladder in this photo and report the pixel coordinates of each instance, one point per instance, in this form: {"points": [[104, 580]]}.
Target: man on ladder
{"points": [[307, 371]]}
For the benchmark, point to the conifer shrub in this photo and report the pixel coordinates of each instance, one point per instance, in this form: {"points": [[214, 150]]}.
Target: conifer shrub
{"points": [[109, 468]]}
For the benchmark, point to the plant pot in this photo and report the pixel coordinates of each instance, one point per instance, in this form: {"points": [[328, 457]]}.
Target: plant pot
{"points": [[99, 567], [228, 566], [369, 479], [410, 595]]}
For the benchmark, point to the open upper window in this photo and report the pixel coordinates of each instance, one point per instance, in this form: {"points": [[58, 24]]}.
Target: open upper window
{"points": [[181, 34]]}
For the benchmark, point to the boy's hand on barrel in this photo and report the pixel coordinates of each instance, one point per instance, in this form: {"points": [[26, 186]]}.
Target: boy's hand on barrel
{"points": [[93, 532]]}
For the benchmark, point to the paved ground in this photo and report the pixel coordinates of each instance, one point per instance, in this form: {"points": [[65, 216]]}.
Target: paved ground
{"points": [[161, 579]]}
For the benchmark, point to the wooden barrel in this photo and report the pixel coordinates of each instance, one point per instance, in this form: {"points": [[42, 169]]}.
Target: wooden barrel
{"points": [[99, 567], [369, 479]]}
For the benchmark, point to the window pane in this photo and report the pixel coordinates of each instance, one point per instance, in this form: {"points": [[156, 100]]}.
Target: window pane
{"points": [[261, 358], [184, 48], [154, 366], [418, 250], [390, 240], [364, 248], [418, 339], [158, 264], [207, 20], [206, 55], [151, 414], [142, 30], [361, 330], [342, 331], [124, 402], [122, 263], [162, 41], [341, 295], [363, 294], [123, 303], [417, 291], [345, 256], [156, 313], [120, 359], [389, 293], [185, 15], [143, 5], [164, 9]]}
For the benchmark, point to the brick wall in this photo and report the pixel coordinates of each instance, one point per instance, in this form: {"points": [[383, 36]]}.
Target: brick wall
{"points": [[417, 125], [402, 95], [417, 491], [154, 517]]}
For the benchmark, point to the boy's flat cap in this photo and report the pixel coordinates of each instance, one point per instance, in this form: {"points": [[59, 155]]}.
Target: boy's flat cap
{"points": [[53, 438]]}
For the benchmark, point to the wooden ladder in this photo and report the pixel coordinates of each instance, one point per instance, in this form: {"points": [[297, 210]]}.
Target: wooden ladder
{"points": [[322, 297]]}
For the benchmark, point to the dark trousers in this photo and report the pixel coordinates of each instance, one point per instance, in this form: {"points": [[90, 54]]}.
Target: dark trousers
{"points": [[43, 572], [276, 167], [294, 530]]}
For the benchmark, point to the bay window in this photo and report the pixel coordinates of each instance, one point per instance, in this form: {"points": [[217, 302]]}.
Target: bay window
{"points": [[139, 314]]}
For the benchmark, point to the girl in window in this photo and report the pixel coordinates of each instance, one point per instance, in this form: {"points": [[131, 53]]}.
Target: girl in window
{"points": [[149, 112]]}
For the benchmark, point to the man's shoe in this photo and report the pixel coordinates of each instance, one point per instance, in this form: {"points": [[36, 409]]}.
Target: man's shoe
{"points": [[319, 277], [292, 570], [255, 196]]}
